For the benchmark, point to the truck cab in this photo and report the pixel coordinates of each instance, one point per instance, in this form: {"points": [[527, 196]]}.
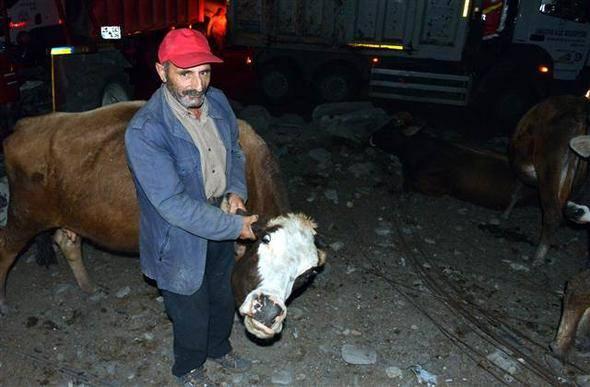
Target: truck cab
{"points": [[562, 29], [89, 47]]}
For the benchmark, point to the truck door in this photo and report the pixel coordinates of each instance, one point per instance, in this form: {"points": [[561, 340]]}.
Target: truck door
{"points": [[561, 28], [29, 14], [383, 22], [433, 29], [441, 29]]}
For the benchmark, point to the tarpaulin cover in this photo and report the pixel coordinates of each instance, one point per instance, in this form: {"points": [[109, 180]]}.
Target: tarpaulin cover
{"points": [[136, 16]]}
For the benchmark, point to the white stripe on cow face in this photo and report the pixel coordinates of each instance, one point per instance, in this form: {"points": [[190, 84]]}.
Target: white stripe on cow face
{"points": [[283, 255], [290, 252]]}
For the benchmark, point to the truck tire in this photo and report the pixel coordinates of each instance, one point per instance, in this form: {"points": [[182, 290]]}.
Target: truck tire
{"points": [[277, 82], [511, 104], [335, 84], [115, 91]]}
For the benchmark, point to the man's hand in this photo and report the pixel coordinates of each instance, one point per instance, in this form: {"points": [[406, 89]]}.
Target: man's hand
{"points": [[235, 203], [246, 232]]}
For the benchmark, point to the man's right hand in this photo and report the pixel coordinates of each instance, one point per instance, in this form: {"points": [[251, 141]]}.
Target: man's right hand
{"points": [[246, 232]]}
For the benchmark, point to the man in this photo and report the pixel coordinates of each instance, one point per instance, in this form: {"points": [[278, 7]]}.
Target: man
{"points": [[183, 151], [492, 14]]}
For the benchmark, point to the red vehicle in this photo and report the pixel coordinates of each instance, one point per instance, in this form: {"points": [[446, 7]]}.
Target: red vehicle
{"points": [[102, 51], [8, 82]]}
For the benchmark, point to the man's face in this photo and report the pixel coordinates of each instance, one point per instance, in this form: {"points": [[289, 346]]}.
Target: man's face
{"points": [[189, 85]]}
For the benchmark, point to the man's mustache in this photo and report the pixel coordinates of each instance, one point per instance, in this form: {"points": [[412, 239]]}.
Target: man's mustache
{"points": [[192, 93]]}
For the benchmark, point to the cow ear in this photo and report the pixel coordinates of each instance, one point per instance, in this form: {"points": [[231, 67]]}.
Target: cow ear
{"points": [[260, 227], [411, 130], [581, 145]]}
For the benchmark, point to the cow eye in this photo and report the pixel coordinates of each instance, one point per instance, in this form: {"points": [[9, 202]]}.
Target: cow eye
{"points": [[266, 239]]}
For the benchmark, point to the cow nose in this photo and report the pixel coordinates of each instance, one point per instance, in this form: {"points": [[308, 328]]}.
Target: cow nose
{"points": [[266, 311]]}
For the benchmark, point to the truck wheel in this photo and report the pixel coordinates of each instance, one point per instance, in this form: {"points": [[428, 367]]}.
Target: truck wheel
{"points": [[277, 82], [113, 92], [511, 104], [335, 85]]}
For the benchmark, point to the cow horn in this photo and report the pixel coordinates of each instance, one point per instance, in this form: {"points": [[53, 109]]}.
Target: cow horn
{"points": [[241, 212], [259, 228]]}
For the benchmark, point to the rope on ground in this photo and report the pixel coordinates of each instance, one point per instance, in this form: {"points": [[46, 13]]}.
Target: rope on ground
{"points": [[483, 323], [78, 376], [469, 310], [471, 352]]}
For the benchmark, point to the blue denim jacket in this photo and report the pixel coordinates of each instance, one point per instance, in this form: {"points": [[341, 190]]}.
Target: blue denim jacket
{"points": [[175, 218]]}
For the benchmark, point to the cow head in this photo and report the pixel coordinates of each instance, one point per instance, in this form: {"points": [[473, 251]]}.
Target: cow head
{"points": [[284, 253], [393, 136], [578, 209]]}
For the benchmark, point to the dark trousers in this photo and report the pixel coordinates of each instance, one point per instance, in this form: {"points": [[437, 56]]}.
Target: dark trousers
{"points": [[202, 322]]}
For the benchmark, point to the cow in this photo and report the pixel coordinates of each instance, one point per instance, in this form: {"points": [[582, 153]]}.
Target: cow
{"points": [[437, 167], [575, 319], [578, 208], [68, 171], [541, 157]]}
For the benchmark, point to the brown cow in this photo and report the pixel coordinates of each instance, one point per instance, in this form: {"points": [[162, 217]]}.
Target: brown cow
{"points": [[575, 317], [68, 171], [540, 155], [437, 167]]}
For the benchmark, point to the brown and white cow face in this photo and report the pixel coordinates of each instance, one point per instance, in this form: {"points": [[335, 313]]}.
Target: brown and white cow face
{"points": [[263, 279], [578, 208]]}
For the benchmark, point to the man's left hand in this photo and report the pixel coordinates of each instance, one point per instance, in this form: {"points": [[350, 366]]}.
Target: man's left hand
{"points": [[235, 203]]}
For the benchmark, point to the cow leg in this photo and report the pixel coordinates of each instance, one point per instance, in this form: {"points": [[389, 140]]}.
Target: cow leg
{"points": [[12, 240], [575, 304], [582, 340], [551, 220], [514, 198], [552, 214], [71, 245]]}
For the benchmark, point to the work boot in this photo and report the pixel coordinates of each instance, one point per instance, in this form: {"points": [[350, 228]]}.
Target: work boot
{"points": [[232, 362], [195, 378]]}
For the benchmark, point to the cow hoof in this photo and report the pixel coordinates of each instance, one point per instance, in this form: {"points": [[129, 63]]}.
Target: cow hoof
{"points": [[99, 293], [582, 346], [88, 287], [554, 363], [4, 309], [556, 351]]}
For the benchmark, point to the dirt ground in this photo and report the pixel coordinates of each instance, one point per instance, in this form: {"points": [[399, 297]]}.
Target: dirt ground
{"points": [[412, 283]]}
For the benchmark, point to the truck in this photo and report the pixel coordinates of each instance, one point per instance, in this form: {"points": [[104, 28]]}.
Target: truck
{"points": [[84, 54], [497, 56]]}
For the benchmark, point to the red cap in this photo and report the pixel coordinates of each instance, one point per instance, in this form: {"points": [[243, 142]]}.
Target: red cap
{"points": [[186, 48]]}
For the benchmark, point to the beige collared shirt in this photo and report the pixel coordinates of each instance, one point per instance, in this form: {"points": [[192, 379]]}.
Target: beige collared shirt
{"points": [[206, 137]]}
